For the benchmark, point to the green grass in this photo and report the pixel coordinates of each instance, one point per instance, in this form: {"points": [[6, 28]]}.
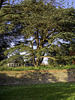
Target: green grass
{"points": [[53, 91], [2, 68]]}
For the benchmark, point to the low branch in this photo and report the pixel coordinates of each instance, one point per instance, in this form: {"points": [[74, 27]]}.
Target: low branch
{"points": [[49, 57]]}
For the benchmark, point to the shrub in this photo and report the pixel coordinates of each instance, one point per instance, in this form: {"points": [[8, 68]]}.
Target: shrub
{"points": [[36, 68]]}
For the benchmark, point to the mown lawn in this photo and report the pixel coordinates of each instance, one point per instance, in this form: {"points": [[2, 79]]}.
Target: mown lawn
{"points": [[52, 91]]}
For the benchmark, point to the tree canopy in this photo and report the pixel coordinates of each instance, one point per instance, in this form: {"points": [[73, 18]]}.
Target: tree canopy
{"points": [[42, 26]]}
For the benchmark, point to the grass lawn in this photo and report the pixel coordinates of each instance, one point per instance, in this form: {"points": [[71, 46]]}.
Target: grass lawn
{"points": [[52, 91]]}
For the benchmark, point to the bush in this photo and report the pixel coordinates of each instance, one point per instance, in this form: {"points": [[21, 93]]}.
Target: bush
{"points": [[36, 68], [6, 68]]}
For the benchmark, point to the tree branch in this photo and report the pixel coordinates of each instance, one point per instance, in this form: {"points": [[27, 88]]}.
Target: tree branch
{"points": [[50, 33], [1, 2], [49, 57]]}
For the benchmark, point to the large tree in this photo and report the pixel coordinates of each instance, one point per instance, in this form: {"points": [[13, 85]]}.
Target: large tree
{"points": [[4, 36], [41, 25]]}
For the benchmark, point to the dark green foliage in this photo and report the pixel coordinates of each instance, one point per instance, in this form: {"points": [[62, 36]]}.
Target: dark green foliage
{"points": [[3, 46], [1, 3], [41, 25]]}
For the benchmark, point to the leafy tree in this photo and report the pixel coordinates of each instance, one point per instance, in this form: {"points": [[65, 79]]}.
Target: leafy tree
{"points": [[3, 40], [4, 33], [41, 25]]}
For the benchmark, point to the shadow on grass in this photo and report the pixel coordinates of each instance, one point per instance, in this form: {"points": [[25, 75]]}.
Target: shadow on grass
{"points": [[30, 78], [36, 77], [53, 91]]}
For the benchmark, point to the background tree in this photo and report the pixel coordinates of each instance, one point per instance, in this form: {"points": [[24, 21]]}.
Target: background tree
{"points": [[5, 33]]}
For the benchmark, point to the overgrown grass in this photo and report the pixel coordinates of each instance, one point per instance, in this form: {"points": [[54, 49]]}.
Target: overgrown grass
{"points": [[53, 91], [2, 68]]}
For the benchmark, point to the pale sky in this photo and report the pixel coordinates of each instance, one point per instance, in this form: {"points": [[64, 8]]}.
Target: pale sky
{"points": [[68, 3]]}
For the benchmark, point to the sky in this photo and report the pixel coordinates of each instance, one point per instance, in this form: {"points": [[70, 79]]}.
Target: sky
{"points": [[66, 3]]}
